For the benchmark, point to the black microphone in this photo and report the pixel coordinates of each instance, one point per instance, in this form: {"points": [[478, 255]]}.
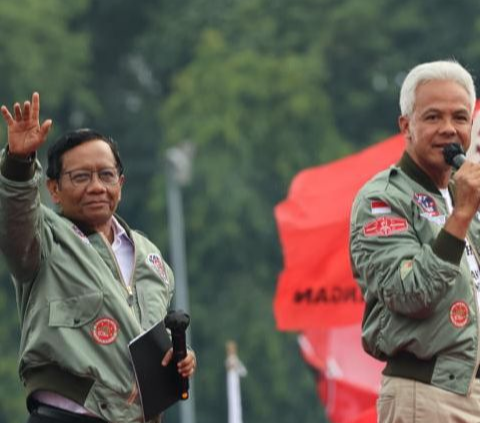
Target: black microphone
{"points": [[454, 155], [177, 322]]}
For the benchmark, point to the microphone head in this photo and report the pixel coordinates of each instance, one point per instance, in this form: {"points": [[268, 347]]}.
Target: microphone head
{"points": [[451, 151], [177, 320]]}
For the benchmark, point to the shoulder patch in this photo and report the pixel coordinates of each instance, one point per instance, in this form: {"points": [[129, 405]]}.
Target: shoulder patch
{"points": [[385, 226], [380, 207], [405, 268], [459, 314]]}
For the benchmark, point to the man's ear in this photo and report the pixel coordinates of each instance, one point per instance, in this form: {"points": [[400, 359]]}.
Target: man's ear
{"points": [[404, 125], [121, 182], [52, 186]]}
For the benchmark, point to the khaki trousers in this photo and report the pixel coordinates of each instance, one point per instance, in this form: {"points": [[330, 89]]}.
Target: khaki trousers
{"points": [[408, 401]]}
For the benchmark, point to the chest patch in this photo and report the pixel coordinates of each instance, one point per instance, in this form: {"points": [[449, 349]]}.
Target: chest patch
{"points": [[155, 261], [105, 330], [385, 226], [459, 314], [426, 203]]}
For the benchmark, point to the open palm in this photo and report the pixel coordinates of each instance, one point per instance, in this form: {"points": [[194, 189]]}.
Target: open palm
{"points": [[25, 134]]}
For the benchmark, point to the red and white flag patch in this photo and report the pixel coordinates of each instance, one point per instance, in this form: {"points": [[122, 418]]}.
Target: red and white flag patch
{"points": [[380, 207], [385, 226]]}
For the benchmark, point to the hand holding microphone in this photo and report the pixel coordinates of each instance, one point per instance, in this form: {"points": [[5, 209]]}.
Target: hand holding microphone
{"points": [[467, 190], [177, 322]]}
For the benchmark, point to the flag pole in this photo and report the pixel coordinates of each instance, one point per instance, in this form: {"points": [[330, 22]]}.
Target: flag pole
{"points": [[235, 370]]}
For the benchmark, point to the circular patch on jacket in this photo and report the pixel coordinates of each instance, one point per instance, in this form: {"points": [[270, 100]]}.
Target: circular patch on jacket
{"points": [[459, 314], [105, 330]]}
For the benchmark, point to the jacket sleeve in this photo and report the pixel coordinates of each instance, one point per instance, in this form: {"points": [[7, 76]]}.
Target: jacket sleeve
{"points": [[393, 265], [20, 213]]}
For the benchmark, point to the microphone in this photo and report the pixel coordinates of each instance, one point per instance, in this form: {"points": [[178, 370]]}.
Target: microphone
{"points": [[454, 155], [177, 322]]}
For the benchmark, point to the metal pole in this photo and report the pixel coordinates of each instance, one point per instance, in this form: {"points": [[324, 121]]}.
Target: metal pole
{"points": [[178, 167]]}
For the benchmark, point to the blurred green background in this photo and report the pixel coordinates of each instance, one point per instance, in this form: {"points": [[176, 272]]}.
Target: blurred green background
{"points": [[263, 89]]}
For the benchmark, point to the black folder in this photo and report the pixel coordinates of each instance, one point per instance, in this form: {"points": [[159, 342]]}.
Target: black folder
{"points": [[159, 386]]}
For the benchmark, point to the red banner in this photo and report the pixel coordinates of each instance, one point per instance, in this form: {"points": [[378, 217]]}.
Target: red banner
{"points": [[316, 289]]}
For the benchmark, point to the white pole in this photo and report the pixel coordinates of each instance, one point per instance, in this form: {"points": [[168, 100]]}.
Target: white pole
{"points": [[235, 370], [178, 168]]}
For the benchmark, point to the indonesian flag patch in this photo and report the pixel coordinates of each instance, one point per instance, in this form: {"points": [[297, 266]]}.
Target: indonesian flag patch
{"points": [[380, 207], [155, 261], [385, 226], [105, 330]]}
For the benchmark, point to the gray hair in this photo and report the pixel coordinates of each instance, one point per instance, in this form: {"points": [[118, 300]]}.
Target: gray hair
{"points": [[448, 70]]}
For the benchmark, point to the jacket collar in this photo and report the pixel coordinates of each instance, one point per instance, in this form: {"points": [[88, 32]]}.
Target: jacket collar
{"points": [[413, 171], [87, 230]]}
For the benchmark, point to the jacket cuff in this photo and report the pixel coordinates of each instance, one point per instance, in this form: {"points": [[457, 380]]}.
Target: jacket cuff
{"points": [[17, 168], [449, 247]]}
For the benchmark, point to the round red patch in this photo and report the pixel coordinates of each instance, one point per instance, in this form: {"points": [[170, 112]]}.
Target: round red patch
{"points": [[459, 314], [105, 330]]}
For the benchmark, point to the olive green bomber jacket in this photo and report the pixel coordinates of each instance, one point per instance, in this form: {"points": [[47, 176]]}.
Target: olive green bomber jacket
{"points": [[76, 314], [421, 312]]}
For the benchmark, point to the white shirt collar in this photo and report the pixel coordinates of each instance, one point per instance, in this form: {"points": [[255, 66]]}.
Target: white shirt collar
{"points": [[119, 234]]}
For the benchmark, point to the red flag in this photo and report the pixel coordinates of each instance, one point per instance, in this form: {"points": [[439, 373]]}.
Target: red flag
{"points": [[348, 378], [316, 288]]}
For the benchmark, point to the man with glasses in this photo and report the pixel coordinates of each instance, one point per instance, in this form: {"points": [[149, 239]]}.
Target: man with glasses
{"points": [[86, 283]]}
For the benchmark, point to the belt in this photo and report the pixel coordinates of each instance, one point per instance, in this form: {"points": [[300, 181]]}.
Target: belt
{"points": [[64, 416], [408, 366]]}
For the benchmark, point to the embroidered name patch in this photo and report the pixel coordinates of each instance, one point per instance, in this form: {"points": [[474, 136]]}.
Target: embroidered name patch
{"points": [[438, 220], [155, 261], [459, 314], [385, 226], [380, 207], [105, 330], [426, 203]]}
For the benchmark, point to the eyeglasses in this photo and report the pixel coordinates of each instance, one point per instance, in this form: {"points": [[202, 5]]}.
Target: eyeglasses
{"points": [[82, 178]]}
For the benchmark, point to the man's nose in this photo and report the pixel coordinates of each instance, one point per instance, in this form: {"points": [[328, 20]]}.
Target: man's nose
{"points": [[448, 127], [96, 183]]}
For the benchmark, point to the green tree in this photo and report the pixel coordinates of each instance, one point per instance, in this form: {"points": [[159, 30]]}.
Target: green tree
{"points": [[256, 119], [43, 51]]}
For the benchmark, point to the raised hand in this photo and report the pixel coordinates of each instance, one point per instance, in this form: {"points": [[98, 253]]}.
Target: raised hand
{"points": [[25, 135]]}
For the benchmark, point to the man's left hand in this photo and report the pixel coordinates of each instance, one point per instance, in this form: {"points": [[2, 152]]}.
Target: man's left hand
{"points": [[186, 367]]}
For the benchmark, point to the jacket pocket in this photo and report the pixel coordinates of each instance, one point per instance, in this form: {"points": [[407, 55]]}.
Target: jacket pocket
{"points": [[75, 311]]}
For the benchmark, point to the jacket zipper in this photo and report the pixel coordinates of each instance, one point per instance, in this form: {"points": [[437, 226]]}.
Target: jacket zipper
{"points": [[128, 288]]}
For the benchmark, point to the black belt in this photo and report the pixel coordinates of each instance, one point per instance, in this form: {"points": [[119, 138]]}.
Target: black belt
{"points": [[64, 416]]}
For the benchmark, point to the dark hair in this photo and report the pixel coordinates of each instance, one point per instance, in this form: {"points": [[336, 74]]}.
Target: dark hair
{"points": [[71, 140]]}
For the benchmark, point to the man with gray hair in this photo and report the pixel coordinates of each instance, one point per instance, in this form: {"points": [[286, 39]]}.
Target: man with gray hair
{"points": [[414, 246]]}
